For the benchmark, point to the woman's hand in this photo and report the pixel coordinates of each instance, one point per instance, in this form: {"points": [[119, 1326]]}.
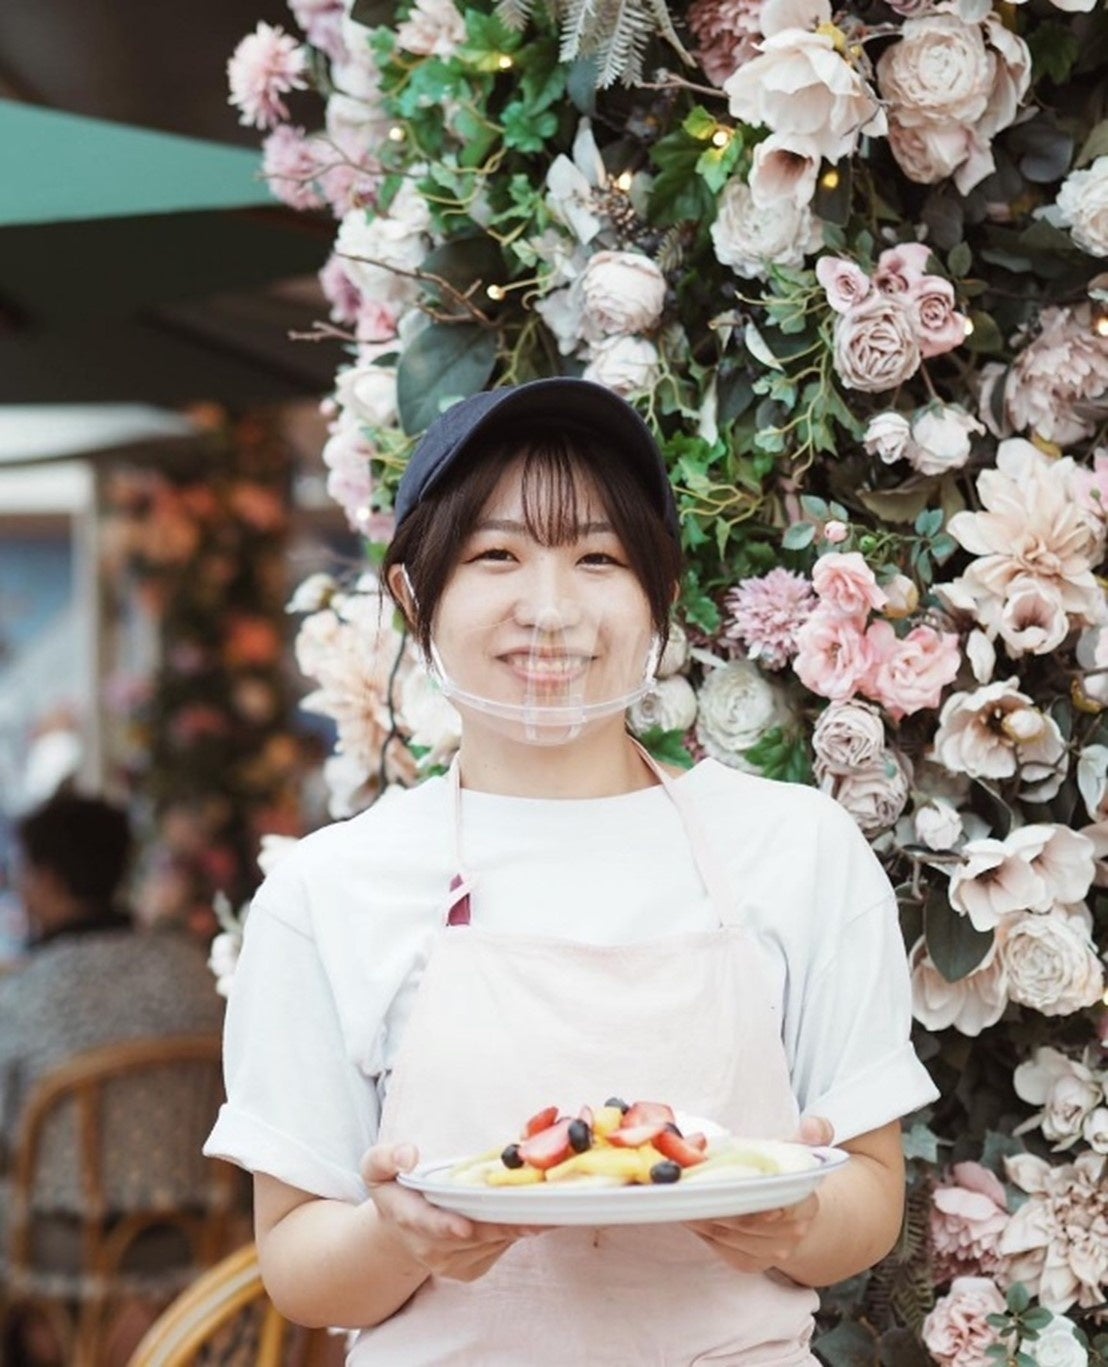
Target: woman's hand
{"points": [[755, 1243], [444, 1244]]}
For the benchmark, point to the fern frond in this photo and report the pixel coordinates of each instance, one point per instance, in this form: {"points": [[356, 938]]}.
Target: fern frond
{"points": [[621, 37], [664, 25], [515, 13], [901, 1289], [577, 27]]}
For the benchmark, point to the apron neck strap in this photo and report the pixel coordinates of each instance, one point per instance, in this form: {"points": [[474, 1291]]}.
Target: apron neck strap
{"points": [[712, 873]]}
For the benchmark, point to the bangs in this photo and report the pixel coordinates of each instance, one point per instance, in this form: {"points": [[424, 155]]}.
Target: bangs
{"points": [[559, 496]]}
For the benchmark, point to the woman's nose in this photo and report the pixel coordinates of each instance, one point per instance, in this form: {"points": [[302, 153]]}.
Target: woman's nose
{"points": [[546, 600]]}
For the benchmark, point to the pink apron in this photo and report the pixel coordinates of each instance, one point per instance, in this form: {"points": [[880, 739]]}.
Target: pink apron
{"points": [[505, 1025]]}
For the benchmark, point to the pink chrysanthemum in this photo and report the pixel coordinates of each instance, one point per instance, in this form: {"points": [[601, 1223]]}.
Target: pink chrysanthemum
{"points": [[289, 164], [266, 65], [727, 32], [764, 614]]}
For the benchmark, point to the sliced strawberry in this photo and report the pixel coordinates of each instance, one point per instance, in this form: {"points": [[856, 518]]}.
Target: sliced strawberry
{"points": [[698, 1141], [648, 1113], [541, 1120], [677, 1148], [548, 1147], [632, 1136], [585, 1114]]}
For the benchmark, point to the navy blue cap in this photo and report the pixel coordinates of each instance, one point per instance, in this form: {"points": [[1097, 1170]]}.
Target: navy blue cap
{"points": [[546, 403]]}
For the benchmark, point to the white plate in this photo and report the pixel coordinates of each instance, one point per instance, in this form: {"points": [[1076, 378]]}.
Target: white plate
{"points": [[565, 1203]]}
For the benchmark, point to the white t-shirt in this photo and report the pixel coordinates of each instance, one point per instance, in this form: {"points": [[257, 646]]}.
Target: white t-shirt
{"points": [[339, 934]]}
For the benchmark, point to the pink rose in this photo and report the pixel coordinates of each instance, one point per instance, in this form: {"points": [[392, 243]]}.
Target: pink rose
{"points": [[937, 325], [845, 584], [908, 674], [957, 1332], [899, 268], [832, 655], [845, 283], [968, 1216]]}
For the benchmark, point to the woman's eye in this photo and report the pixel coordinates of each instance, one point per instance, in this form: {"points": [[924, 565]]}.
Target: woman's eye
{"points": [[494, 553], [598, 558]]}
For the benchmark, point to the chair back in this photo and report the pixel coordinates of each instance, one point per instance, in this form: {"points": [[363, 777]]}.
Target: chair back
{"points": [[111, 1140]]}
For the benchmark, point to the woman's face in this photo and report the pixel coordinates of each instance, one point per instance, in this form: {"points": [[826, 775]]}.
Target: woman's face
{"points": [[520, 624]]}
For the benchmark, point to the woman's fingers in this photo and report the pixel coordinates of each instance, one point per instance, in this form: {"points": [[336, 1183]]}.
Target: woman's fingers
{"points": [[815, 1130], [384, 1162]]}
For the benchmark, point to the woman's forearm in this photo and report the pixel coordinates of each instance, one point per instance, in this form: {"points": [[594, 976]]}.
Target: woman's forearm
{"points": [[859, 1218], [330, 1264]]}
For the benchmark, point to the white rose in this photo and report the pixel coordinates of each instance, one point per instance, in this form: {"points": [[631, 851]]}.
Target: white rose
{"points": [[941, 438], [750, 238], [888, 436], [875, 794], [801, 84], [369, 392], [1065, 1089], [929, 152], [1082, 207], [939, 72], [1051, 962], [1057, 1346], [670, 705], [629, 365], [1095, 1130], [623, 293], [1092, 655], [938, 825], [847, 736], [373, 248], [737, 706], [784, 166], [434, 28]]}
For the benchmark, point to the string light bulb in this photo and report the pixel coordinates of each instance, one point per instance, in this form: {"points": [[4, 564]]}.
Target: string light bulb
{"points": [[504, 62], [830, 179], [1100, 324], [396, 133], [496, 293], [967, 330], [623, 181], [721, 137]]}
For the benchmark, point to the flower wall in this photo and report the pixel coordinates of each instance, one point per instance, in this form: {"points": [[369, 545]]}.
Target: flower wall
{"points": [[851, 266]]}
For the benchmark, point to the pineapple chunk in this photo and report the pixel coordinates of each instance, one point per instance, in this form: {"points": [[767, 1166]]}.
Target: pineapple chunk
{"points": [[605, 1120], [513, 1177], [622, 1164]]}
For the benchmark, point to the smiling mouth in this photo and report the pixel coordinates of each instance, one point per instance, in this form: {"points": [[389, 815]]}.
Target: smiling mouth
{"points": [[536, 668]]}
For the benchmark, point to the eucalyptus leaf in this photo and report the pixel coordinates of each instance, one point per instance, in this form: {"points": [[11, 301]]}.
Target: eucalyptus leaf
{"points": [[849, 1344], [446, 361], [897, 505], [955, 945]]}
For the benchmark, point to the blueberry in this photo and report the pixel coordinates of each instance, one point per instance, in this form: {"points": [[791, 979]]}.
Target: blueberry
{"points": [[666, 1171], [510, 1157], [619, 1103], [579, 1136]]}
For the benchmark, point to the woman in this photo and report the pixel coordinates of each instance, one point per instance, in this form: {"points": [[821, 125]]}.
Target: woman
{"points": [[558, 919]]}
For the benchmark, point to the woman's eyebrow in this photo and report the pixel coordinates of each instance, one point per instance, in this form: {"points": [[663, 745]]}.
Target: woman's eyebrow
{"points": [[507, 524]]}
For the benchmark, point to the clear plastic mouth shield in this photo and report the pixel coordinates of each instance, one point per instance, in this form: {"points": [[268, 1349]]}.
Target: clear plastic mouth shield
{"points": [[542, 668]]}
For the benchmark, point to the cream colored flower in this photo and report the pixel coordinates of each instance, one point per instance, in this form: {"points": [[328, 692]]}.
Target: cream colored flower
{"points": [[750, 238], [888, 436], [802, 84], [941, 439], [1066, 1090], [369, 393], [623, 293], [784, 166], [1051, 962], [939, 72], [738, 705], [998, 879], [1082, 206], [676, 653], [669, 706], [971, 1004], [1055, 1243], [629, 365], [433, 28], [1058, 385], [1057, 1346], [847, 736], [996, 732], [938, 824], [874, 794], [875, 345], [428, 718]]}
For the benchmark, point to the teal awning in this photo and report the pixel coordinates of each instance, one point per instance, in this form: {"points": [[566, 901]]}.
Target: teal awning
{"points": [[56, 167]]}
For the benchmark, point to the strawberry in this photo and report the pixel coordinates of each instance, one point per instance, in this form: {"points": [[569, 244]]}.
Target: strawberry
{"points": [[647, 1113], [681, 1150], [548, 1147], [632, 1136], [698, 1141], [542, 1120], [585, 1114]]}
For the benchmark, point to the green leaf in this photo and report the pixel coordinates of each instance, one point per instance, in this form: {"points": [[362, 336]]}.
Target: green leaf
{"points": [[954, 944], [715, 164], [1019, 1298], [921, 1142], [797, 536], [985, 336], [897, 505], [581, 85], [1054, 49], [960, 259], [467, 261], [373, 13], [849, 1344], [1038, 1317], [445, 362], [700, 124], [668, 747], [525, 130]]}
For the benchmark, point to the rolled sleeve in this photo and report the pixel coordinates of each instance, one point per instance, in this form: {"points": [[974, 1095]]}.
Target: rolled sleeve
{"points": [[297, 1107]]}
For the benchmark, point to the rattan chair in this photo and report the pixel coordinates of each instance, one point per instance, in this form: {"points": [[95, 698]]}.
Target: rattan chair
{"points": [[125, 1221], [227, 1318]]}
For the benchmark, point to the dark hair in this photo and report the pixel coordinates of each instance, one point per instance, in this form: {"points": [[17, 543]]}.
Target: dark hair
{"points": [[430, 539], [85, 841]]}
